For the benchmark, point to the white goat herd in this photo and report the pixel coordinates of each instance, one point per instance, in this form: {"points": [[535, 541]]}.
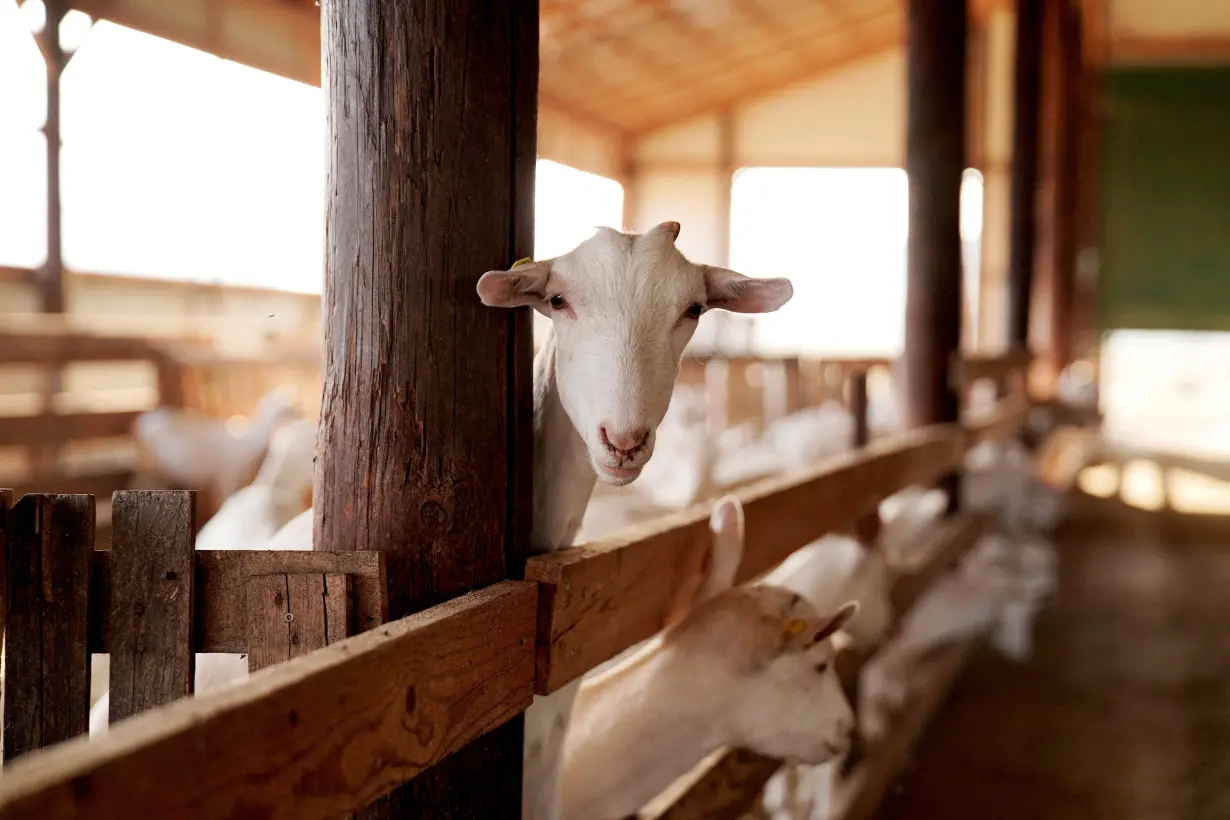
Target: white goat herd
{"points": [[746, 666]]}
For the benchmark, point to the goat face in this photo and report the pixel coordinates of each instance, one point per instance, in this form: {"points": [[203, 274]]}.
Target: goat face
{"points": [[623, 307], [774, 654]]}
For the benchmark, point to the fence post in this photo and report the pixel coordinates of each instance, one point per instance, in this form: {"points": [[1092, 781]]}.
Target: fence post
{"points": [[425, 439], [47, 549], [935, 162], [153, 591]]}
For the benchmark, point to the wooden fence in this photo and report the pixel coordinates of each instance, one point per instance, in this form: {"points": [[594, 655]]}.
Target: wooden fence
{"points": [[360, 708]]}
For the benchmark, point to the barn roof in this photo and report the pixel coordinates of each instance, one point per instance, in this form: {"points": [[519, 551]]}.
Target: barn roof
{"points": [[631, 66]]}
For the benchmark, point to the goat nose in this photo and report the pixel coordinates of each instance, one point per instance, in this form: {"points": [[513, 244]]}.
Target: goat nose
{"points": [[622, 441]]}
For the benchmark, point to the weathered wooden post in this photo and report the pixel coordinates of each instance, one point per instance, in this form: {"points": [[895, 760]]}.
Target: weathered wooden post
{"points": [[1065, 213], [424, 448], [934, 161], [1023, 236]]}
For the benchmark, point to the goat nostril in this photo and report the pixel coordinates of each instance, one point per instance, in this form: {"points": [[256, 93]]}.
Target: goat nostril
{"points": [[622, 441]]}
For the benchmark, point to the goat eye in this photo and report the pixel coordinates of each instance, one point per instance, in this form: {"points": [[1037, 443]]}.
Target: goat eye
{"points": [[694, 310], [822, 667], [557, 302]]}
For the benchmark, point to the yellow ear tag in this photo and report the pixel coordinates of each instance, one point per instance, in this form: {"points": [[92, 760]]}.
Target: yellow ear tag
{"points": [[523, 261], [793, 628]]}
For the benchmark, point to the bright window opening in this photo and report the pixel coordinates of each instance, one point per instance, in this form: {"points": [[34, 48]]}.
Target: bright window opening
{"points": [[840, 235]]}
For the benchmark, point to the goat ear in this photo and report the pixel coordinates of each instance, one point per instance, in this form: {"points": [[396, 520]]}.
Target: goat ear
{"points": [[726, 522], [670, 229], [835, 622], [727, 290], [523, 284]]}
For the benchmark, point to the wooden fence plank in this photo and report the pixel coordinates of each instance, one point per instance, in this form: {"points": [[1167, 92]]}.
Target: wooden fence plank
{"points": [[727, 784], [152, 571], [291, 615], [603, 597], [53, 427], [315, 737], [47, 668], [221, 592], [268, 630]]}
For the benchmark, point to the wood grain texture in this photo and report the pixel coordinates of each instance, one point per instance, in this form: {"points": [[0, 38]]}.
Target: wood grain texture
{"points": [[291, 615], [221, 592], [423, 449], [46, 665], [153, 537], [318, 736], [727, 784], [1026, 103], [935, 162], [600, 598]]}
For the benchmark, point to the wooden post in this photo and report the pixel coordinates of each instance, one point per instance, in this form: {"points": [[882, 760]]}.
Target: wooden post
{"points": [[1065, 213], [935, 160], [866, 528], [425, 439], [726, 167], [152, 595], [51, 278], [629, 173], [1023, 237], [46, 602]]}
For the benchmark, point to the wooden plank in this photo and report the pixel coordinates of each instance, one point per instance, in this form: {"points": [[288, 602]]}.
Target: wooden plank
{"points": [[46, 666], [859, 795], [727, 784], [722, 787], [268, 630], [50, 427], [316, 737], [221, 593], [291, 615], [152, 547], [601, 598], [32, 347]]}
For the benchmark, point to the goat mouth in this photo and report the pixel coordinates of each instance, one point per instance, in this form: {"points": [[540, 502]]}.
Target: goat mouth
{"points": [[618, 475]]}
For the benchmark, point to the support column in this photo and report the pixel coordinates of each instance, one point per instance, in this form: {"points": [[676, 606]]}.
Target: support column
{"points": [[1065, 214], [935, 159], [425, 437], [51, 277], [1026, 93]]}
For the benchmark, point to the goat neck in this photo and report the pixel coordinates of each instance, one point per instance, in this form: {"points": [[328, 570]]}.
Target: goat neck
{"points": [[652, 731], [563, 476]]}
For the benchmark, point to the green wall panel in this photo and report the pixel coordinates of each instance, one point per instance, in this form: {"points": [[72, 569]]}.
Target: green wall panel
{"points": [[1166, 199]]}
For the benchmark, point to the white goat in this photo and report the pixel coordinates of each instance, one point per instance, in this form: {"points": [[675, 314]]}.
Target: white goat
{"points": [[189, 450], [747, 667], [835, 569], [247, 520], [622, 307], [999, 578]]}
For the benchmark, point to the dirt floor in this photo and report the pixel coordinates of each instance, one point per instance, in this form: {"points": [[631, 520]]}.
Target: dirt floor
{"points": [[1122, 714]]}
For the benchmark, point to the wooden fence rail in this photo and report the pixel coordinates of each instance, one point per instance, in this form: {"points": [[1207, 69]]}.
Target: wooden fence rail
{"points": [[330, 730]]}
